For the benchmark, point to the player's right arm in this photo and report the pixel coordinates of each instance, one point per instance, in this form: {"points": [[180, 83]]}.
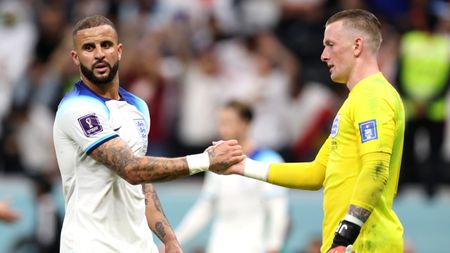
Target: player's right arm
{"points": [[302, 175], [85, 122], [117, 156]]}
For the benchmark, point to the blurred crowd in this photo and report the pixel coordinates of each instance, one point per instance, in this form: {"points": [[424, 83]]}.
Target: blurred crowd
{"points": [[187, 58]]}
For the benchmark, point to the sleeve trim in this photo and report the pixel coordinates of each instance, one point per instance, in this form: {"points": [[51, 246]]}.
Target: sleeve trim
{"points": [[99, 142]]}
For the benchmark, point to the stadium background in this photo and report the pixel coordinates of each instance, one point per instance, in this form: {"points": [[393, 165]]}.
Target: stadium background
{"points": [[186, 58]]}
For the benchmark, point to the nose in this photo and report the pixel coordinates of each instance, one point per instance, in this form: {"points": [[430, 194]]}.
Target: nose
{"points": [[99, 54], [324, 56]]}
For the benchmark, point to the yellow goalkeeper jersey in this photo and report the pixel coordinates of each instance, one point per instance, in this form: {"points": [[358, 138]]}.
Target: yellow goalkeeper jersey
{"points": [[372, 119]]}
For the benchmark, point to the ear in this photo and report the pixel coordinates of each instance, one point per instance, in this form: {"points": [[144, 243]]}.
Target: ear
{"points": [[358, 46], [119, 50], [75, 57]]}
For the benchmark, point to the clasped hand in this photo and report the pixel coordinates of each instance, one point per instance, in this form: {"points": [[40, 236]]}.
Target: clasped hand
{"points": [[223, 155]]}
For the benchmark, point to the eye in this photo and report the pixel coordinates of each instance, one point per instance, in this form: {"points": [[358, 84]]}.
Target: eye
{"points": [[106, 44], [88, 47]]}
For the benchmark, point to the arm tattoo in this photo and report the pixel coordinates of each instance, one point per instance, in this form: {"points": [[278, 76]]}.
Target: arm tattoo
{"points": [[117, 156], [161, 225], [150, 194], [359, 212], [160, 229]]}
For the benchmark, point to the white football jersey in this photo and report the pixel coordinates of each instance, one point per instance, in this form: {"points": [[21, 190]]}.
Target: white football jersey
{"points": [[249, 216], [104, 213]]}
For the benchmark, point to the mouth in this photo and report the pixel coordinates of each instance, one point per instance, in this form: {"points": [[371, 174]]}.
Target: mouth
{"points": [[330, 67], [101, 67]]}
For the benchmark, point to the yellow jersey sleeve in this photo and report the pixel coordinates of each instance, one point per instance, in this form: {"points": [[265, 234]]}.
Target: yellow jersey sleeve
{"points": [[304, 175], [371, 180]]}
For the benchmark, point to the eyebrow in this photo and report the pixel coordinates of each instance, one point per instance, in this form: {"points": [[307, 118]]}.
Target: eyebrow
{"points": [[101, 42]]}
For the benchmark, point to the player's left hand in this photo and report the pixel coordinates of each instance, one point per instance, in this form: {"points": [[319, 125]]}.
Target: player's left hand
{"points": [[342, 249]]}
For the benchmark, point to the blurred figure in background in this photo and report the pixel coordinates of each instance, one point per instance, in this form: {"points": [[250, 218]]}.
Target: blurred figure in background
{"points": [[6, 213], [249, 216], [18, 35], [424, 79]]}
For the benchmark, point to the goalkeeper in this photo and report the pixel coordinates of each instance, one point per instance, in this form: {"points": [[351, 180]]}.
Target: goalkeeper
{"points": [[359, 164]]}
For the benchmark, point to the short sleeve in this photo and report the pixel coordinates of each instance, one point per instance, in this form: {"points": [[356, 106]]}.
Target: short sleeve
{"points": [[85, 120], [374, 121]]}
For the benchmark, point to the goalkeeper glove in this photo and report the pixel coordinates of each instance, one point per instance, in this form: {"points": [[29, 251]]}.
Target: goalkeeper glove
{"points": [[342, 249]]}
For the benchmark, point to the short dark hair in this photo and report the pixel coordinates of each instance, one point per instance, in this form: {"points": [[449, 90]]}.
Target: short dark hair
{"points": [[92, 21], [361, 20], [243, 109]]}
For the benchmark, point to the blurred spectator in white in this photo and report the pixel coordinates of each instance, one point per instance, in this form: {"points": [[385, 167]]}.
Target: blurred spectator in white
{"points": [[246, 16], [257, 69], [248, 215], [18, 35], [202, 89], [268, 93]]}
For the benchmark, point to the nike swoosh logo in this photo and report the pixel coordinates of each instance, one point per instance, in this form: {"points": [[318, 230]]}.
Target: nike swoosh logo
{"points": [[117, 129]]}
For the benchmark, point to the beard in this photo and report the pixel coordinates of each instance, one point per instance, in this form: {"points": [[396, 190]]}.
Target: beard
{"points": [[99, 81]]}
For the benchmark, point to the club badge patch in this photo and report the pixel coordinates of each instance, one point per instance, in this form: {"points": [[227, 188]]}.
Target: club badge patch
{"points": [[140, 124], [335, 126], [90, 124], [368, 130]]}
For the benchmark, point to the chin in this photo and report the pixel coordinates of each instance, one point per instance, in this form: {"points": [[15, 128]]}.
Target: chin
{"points": [[338, 80]]}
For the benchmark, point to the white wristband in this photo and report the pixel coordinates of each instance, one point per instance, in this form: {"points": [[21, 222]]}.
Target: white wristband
{"points": [[354, 220], [198, 163], [256, 170]]}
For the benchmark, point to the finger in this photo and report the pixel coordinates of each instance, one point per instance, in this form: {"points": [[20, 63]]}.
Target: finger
{"points": [[237, 152], [237, 159], [215, 143], [232, 142]]}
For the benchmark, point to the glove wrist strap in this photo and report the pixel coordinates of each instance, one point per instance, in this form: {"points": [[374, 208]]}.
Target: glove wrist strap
{"points": [[346, 233]]}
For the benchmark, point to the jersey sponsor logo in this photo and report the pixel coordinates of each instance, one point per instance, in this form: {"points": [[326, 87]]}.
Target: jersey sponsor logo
{"points": [[335, 126], [142, 130], [90, 124], [368, 130]]}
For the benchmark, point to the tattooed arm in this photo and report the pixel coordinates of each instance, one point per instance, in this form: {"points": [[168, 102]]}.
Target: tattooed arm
{"points": [[117, 155], [157, 220]]}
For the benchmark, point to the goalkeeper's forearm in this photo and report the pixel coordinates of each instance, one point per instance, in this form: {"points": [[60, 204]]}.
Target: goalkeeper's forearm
{"points": [[307, 175], [370, 184]]}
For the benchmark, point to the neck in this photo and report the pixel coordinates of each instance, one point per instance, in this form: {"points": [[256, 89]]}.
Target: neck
{"points": [[109, 90], [362, 69]]}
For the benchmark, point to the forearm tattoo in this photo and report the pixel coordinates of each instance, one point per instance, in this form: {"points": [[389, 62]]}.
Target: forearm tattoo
{"points": [[359, 212], [151, 195], [161, 224], [116, 155], [160, 229]]}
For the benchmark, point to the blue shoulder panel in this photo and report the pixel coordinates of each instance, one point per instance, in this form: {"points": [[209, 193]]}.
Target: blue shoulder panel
{"points": [[136, 101]]}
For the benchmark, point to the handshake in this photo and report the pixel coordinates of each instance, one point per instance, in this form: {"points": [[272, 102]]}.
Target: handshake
{"points": [[222, 157], [225, 158]]}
